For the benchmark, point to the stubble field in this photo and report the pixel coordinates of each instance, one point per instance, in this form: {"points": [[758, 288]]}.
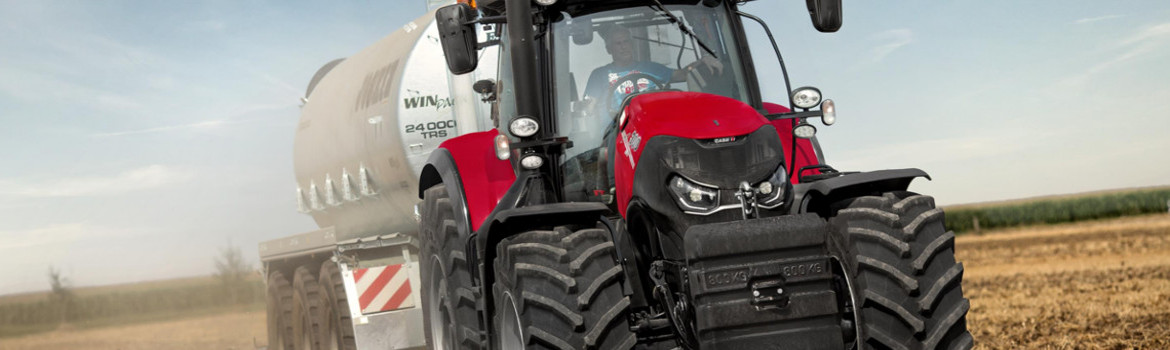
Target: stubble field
{"points": [[1103, 284], [1097, 285]]}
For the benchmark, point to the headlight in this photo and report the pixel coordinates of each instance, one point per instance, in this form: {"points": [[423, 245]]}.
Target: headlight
{"points": [[531, 161], [774, 189], [523, 127], [806, 97], [804, 130], [692, 196]]}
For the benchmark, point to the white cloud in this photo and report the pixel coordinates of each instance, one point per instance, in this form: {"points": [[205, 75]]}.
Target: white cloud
{"points": [[1151, 33], [144, 178], [41, 87], [214, 26], [57, 234], [894, 39], [204, 125], [925, 152], [229, 119], [1096, 19], [1139, 44]]}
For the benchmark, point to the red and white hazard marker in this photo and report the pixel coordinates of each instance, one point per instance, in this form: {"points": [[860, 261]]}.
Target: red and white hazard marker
{"points": [[383, 288]]}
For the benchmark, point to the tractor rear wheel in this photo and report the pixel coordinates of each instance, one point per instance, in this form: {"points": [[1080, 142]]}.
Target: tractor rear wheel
{"points": [[306, 309], [903, 274], [448, 297], [336, 322], [280, 294], [560, 289]]}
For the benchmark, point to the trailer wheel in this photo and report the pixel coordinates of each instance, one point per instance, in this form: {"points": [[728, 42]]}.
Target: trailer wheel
{"points": [[280, 295], [336, 322], [306, 311], [560, 289], [448, 299], [904, 276]]}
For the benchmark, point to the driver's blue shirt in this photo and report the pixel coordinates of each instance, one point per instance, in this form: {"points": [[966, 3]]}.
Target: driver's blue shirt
{"points": [[603, 78]]}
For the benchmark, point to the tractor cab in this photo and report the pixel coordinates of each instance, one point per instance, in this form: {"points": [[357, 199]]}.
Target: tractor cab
{"points": [[602, 60]]}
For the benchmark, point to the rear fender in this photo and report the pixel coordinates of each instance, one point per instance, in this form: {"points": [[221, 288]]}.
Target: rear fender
{"points": [[475, 178], [817, 197]]}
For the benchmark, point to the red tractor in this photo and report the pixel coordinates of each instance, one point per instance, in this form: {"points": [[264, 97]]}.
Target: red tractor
{"points": [[640, 193]]}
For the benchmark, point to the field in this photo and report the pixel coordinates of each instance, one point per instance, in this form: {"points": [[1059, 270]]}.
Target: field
{"points": [[1103, 284], [1097, 285]]}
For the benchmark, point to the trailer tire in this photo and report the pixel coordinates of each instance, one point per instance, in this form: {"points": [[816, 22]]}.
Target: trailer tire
{"points": [[560, 289], [449, 299], [306, 310], [280, 295], [336, 322], [904, 276]]}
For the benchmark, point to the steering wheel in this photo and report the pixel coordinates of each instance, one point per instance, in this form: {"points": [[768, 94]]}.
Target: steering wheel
{"points": [[633, 79]]}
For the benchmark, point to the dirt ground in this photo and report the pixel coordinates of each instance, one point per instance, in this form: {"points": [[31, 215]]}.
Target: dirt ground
{"points": [[222, 332], [1099, 285]]}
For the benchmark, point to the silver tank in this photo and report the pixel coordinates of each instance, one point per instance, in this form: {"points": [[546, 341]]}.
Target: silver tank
{"points": [[367, 126]]}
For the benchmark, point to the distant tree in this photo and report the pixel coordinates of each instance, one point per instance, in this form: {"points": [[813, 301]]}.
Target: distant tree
{"points": [[61, 294], [232, 272]]}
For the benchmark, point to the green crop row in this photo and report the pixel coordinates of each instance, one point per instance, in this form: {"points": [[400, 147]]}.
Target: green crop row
{"points": [[1058, 210], [116, 307]]}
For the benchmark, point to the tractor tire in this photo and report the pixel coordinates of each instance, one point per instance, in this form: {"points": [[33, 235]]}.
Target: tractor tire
{"points": [[904, 277], [336, 322], [560, 289], [449, 299], [306, 310], [280, 295]]}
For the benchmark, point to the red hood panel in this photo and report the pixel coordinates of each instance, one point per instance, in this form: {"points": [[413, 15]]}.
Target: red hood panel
{"points": [[692, 115]]}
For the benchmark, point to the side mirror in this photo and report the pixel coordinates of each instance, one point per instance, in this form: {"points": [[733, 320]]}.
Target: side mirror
{"points": [[826, 14], [457, 34]]}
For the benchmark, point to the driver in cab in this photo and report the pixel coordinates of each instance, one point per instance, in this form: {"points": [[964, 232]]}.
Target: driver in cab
{"points": [[620, 78]]}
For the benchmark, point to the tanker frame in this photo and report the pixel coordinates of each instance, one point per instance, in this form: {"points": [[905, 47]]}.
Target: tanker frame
{"points": [[358, 151]]}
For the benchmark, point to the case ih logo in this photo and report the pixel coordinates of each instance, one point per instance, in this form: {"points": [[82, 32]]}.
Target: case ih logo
{"points": [[427, 101]]}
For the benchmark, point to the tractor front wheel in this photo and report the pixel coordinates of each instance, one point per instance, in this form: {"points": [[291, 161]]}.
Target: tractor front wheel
{"points": [[905, 282], [560, 289], [448, 297]]}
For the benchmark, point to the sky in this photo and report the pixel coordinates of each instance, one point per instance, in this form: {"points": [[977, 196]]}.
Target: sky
{"points": [[138, 138]]}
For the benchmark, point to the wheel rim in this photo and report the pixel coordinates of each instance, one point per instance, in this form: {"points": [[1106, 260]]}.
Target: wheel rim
{"points": [[511, 335], [853, 298], [439, 333]]}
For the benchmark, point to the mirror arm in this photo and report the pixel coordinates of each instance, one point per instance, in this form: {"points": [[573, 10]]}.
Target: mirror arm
{"points": [[794, 115], [490, 20], [783, 68], [485, 44]]}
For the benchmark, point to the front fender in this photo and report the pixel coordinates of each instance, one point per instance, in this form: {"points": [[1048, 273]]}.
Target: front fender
{"points": [[475, 178], [818, 196]]}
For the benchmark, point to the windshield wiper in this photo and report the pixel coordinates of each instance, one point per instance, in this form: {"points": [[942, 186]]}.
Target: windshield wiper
{"points": [[682, 27]]}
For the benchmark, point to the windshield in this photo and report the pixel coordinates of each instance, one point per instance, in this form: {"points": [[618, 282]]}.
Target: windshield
{"points": [[603, 57], [600, 59]]}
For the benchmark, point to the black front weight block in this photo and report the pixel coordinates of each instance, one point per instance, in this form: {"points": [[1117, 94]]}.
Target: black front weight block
{"points": [[762, 282]]}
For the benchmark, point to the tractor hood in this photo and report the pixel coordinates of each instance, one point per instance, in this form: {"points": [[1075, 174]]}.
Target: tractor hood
{"points": [[691, 115]]}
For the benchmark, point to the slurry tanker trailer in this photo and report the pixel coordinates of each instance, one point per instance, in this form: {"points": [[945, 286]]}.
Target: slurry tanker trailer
{"points": [[368, 124], [631, 188]]}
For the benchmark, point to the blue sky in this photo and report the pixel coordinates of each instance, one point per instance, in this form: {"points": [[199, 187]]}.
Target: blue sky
{"points": [[138, 137]]}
